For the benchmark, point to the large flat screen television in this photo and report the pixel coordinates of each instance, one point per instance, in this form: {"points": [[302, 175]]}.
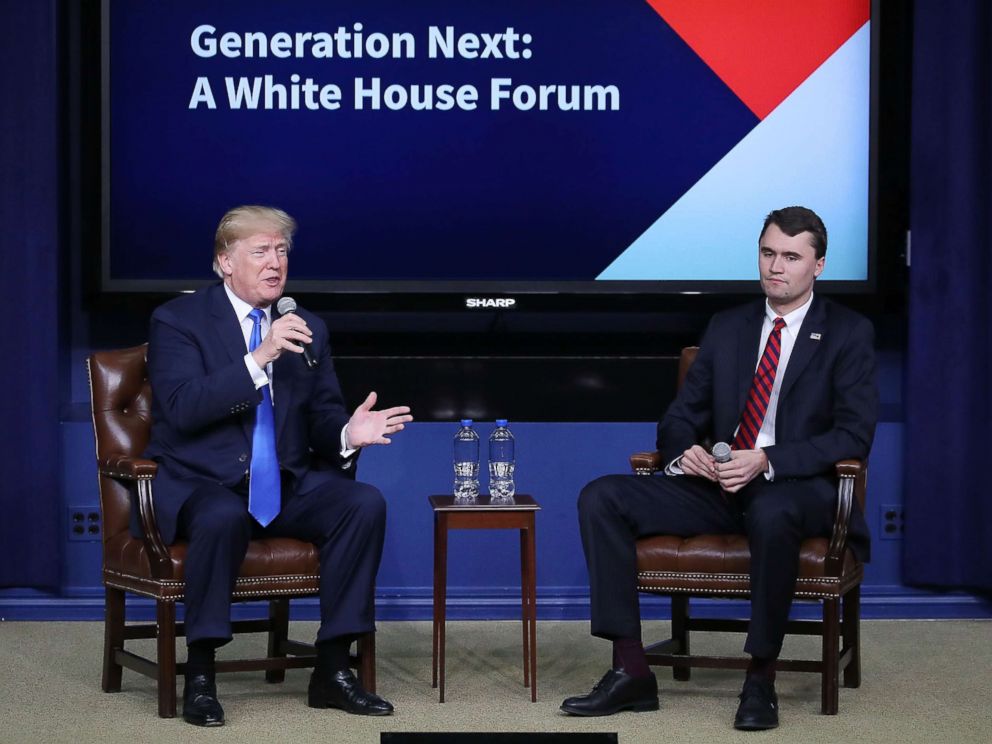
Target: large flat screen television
{"points": [[553, 148]]}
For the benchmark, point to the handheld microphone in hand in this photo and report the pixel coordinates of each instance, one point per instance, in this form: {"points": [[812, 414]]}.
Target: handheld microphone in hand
{"points": [[288, 305], [721, 452]]}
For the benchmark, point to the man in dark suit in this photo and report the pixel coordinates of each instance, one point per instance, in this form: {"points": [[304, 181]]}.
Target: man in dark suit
{"points": [[790, 381], [251, 441]]}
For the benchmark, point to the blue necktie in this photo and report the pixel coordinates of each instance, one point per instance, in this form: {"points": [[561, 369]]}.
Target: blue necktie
{"points": [[263, 485]]}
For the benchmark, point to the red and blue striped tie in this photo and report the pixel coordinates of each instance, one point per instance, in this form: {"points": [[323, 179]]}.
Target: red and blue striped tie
{"points": [[761, 390]]}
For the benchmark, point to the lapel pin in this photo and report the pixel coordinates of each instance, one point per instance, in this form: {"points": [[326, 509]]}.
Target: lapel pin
{"points": [[815, 336]]}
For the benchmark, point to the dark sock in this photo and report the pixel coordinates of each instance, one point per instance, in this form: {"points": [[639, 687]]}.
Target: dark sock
{"points": [[762, 669], [628, 655], [333, 655], [200, 655]]}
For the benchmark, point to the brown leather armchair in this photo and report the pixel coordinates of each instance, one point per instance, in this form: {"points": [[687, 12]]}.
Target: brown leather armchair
{"points": [[275, 569], [718, 566]]}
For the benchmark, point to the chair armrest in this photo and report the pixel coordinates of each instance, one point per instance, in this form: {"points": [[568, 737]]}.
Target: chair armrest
{"points": [[127, 468], [139, 472], [851, 478], [645, 463]]}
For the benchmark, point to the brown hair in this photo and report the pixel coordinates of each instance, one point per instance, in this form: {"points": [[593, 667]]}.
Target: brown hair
{"points": [[795, 220]]}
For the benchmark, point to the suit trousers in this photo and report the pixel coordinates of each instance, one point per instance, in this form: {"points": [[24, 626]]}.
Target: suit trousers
{"points": [[345, 519], [776, 516]]}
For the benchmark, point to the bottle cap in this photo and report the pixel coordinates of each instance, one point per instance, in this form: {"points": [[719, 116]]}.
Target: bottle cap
{"points": [[466, 422], [501, 422]]}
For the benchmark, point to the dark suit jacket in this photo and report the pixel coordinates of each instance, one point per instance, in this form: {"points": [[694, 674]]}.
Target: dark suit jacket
{"points": [[203, 404], [828, 404]]}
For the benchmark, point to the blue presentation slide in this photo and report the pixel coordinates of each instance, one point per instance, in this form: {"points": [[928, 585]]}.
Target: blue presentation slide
{"points": [[599, 141]]}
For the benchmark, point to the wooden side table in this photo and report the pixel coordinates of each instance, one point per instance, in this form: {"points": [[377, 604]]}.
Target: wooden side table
{"points": [[483, 515]]}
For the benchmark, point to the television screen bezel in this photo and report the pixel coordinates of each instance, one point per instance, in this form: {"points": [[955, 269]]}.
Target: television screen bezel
{"points": [[448, 295]]}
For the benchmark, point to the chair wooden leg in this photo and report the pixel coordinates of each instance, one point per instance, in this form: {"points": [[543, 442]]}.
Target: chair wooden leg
{"points": [[680, 633], [166, 622], [831, 656], [851, 631], [366, 661], [278, 635], [113, 638]]}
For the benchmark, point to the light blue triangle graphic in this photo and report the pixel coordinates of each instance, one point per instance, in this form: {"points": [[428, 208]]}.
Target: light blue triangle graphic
{"points": [[812, 150]]}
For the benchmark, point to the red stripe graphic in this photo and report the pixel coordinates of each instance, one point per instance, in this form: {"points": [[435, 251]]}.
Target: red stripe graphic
{"points": [[763, 49]]}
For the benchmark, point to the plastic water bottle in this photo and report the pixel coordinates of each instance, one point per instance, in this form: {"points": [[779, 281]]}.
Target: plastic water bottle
{"points": [[501, 463], [466, 462]]}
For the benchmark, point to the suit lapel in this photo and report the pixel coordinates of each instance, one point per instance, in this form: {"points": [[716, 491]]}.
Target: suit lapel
{"points": [[227, 324], [228, 329], [808, 342], [747, 354]]}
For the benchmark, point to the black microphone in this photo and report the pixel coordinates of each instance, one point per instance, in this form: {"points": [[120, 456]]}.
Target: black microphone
{"points": [[721, 452], [288, 305]]}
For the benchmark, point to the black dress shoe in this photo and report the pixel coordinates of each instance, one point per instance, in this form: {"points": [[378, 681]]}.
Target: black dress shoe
{"points": [[758, 709], [200, 705], [341, 690], [616, 691]]}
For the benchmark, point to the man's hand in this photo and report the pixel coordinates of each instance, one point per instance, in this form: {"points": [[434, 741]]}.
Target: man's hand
{"points": [[697, 461], [287, 333], [742, 468], [371, 427]]}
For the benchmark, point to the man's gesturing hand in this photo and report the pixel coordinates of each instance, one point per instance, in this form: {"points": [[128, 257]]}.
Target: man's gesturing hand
{"points": [[742, 468], [286, 332], [371, 427], [697, 461]]}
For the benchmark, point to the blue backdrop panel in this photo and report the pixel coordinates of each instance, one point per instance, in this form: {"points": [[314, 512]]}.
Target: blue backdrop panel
{"points": [[948, 403], [554, 461], [29, 264]]}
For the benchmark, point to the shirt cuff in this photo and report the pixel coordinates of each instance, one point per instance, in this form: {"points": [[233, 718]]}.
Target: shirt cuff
{"points": [[346, 451], [258, 375], [675, 467], [770, 473]]}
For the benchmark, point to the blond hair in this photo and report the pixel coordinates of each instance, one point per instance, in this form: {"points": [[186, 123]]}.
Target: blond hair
{"points": [[245, 221]]}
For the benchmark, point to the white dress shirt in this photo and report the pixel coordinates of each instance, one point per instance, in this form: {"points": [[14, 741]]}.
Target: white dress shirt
{"points": [[793, 322], [264, 376], [243, 310]]}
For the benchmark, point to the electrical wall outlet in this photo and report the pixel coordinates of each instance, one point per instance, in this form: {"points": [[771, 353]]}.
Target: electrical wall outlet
{"points": [[890, 522], [84, 523]]}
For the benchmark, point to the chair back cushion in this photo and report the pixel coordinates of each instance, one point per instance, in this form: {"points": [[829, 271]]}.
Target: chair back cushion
{"points": [[121, 398], [685, 361]]}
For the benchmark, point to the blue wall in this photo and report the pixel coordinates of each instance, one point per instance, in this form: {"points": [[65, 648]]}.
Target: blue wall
{"points": [[554, 461]]}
